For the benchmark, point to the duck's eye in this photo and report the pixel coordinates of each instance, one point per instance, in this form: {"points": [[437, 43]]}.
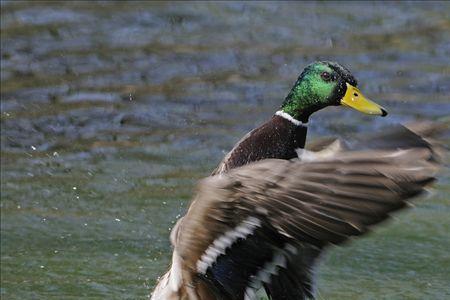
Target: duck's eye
{"points": [[325, 76]]}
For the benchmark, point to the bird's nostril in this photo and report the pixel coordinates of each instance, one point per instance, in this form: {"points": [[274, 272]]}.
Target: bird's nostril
{"points": [[355, 94]]}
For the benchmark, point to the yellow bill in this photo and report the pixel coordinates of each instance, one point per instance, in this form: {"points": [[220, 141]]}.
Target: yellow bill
{"points": [[354, 99]]}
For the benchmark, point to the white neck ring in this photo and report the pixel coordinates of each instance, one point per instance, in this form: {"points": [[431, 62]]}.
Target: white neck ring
{"points": [[290, 118]]}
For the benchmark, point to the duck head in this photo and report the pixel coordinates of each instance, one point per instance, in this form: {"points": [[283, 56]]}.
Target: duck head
{"points": [[323, 84]]}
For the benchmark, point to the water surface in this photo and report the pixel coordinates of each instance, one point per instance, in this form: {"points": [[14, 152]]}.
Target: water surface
{"points": [[111, 111]]}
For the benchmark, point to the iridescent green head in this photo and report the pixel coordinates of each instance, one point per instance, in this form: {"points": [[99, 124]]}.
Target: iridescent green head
{"points": [[322, 84]]}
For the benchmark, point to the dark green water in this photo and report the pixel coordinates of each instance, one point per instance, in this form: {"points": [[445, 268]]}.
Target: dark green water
{"points": [[111, 111]]}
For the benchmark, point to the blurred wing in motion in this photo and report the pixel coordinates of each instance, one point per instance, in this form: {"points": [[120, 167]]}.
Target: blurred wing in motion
{"points": [[266, 223]]}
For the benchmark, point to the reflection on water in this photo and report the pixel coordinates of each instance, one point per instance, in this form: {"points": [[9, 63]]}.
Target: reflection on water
{"points": [[110, 112]]}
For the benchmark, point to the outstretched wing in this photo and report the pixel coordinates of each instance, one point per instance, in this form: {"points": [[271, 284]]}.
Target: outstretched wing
{"points": [[246, 226]]}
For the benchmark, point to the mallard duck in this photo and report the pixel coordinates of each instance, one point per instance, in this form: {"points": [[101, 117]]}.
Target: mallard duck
{"points": [[268, 211]]}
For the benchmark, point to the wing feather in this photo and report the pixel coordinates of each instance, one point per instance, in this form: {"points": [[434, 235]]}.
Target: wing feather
{"points": [[304, 205]]}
